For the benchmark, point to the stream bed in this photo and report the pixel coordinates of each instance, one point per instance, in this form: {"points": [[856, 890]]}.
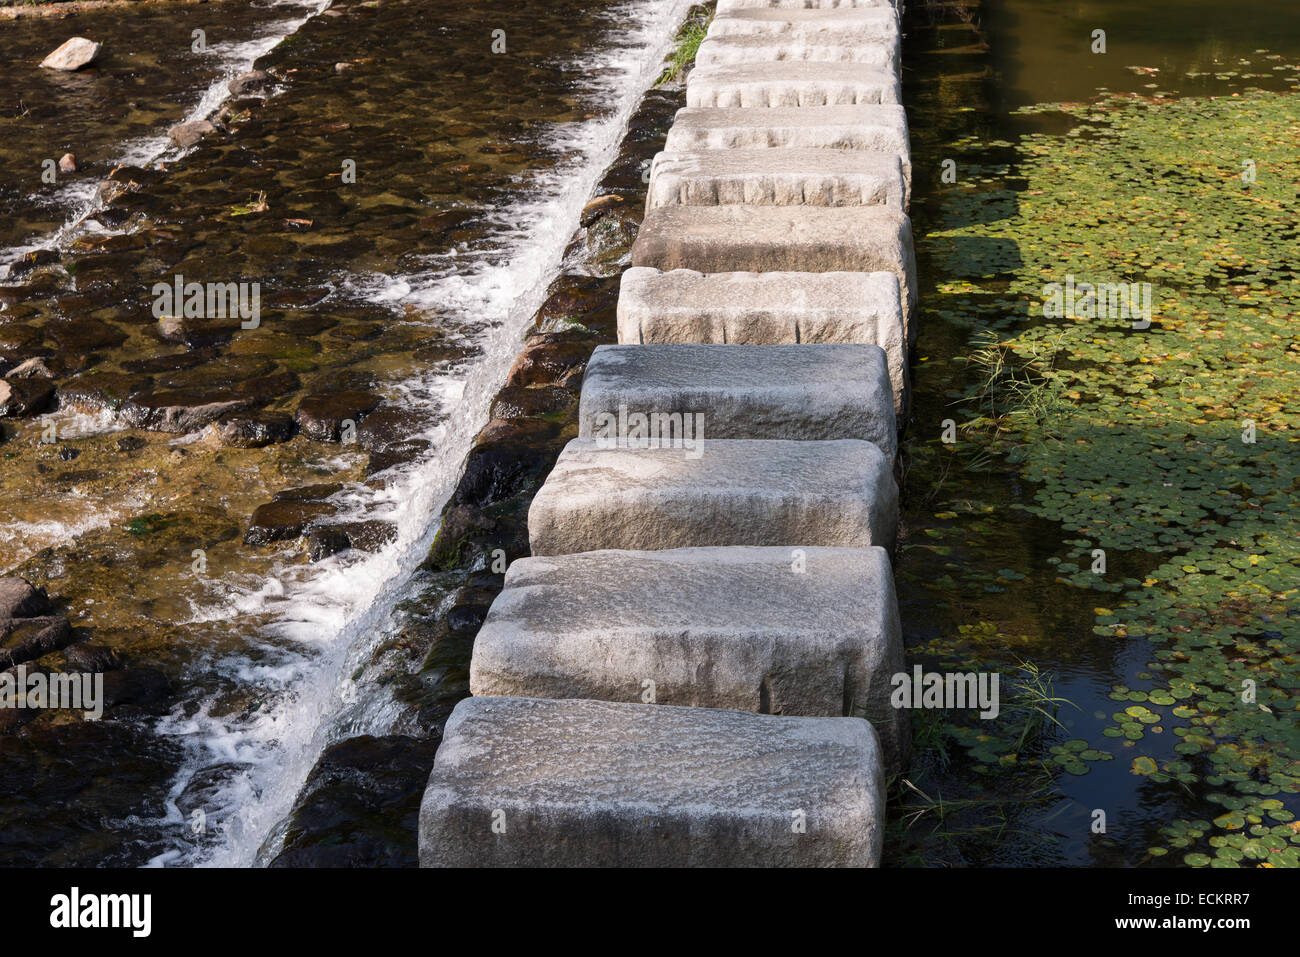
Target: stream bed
{"points": [[402, 192]]}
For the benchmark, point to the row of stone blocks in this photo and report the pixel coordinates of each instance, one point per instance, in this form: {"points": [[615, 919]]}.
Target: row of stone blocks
{"points": [[681, 672]]}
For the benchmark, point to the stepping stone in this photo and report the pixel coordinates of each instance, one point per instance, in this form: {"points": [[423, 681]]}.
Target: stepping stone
{"points": [[820, 47], [781, 177], [842, 25], [790, 84], [807, 5], [714, 492], [810, 631], [804, 392], [528, 782], [877, 128], [781, 239], [763, 309]]}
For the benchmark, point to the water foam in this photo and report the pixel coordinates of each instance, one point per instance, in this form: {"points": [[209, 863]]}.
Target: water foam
{"points": [[81, 199], [321, 622]]}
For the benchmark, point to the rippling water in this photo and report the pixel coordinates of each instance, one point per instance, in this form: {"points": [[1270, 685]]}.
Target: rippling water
{"points": [[415, 283]]}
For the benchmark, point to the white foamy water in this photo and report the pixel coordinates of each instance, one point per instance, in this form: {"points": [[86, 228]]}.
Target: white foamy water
{"points": [[322, 621], [235, 58]]}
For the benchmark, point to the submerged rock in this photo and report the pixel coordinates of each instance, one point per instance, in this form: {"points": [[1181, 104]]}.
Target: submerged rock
{"points": [[515, 402], [288, 514], [23, 397], [552, 357], [251, 82], [360, 804], [31, 260], [19, 598], [326, 540], [370, 536], [394, 455], [147, 689], [26, 639], [169, 363], [36, 366], [81, 336], [102, 390], [182, 410], [88, 657], [279, 521], [598, 207], [185, 135], [255, 430], [321, 416], [388, 427], [73, 55], [450, 352], [111, 189]]}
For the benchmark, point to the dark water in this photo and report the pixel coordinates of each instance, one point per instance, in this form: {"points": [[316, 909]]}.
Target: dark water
{"points": [[413, 283], [969, 65]]}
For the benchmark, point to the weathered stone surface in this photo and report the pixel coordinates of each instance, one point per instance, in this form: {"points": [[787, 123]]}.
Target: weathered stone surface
{"points": [[827, 47], [185, 135], [777, 177], [805, 392], [827, 14], [594, 783], [735, 492], [773, 308], [781, 239], [21, 599], [789, 83], [877, 128], [73, 54], [710, 627]]}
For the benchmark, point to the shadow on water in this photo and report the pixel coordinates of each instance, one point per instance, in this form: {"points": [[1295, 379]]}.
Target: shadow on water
{"points": [[982, 582]]}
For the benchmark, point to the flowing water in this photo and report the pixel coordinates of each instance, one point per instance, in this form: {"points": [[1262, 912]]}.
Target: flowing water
{"points": [[233, 666], [476, 135]]}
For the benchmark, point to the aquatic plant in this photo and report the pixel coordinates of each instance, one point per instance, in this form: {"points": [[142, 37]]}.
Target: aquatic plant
{"points": [[1171, 447]]}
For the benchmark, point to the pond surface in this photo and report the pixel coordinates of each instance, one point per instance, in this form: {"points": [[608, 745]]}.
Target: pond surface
{"points": [[1126, 737]]}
